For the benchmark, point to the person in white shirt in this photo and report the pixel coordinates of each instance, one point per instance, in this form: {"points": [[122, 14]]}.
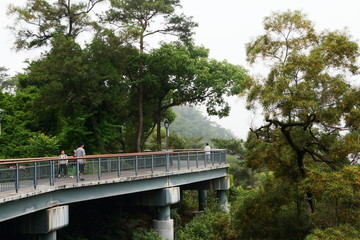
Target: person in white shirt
{"points": [[63, 163], [207, 150]]}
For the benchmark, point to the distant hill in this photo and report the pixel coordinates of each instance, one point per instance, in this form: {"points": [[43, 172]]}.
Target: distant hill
{"points": [[190, 122]]}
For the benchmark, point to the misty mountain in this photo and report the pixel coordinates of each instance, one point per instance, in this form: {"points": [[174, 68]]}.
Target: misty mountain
{"points": [[191, 122]]}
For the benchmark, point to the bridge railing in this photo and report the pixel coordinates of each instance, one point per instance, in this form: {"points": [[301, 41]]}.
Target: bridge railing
{"points": [[34, 172]]}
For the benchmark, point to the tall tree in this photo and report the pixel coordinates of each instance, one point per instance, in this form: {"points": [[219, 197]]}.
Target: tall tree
{"points": [[307, 100], [7, 83], [137, 18], [184, 74], [44, 19], [87, 92]]}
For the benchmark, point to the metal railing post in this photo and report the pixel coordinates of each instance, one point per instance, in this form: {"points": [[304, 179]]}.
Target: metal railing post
{"points": [[99, 168], [52, 173], [35, 175], [205, 159], [197, 160], [17, 177], [119, 166], [179, 163], [188, 161], [136, 165], [77, 171], [167, 162], [212, 154], [152, 163]]}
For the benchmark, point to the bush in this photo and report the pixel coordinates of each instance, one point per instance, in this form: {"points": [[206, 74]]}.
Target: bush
{"points": [[208, 226], [41, 145], [146, 235], [274, 212], [337, 233]]}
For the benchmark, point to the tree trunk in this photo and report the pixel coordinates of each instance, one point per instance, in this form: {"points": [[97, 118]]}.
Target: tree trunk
{"points": [[97, 136], [140, 122], [300, 162], [158, 133]]}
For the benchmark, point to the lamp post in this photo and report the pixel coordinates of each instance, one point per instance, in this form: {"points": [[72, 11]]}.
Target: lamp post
{"points": [[166, 125], [1, 117]]}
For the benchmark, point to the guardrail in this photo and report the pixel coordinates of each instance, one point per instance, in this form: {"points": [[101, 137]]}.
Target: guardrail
{"points": [[32, 172]]}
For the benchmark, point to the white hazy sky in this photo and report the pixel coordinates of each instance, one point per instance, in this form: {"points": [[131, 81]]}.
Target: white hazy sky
{"points": [[225, 26]]}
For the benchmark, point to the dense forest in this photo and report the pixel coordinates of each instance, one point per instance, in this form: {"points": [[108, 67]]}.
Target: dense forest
{"points": [[297, 176]]}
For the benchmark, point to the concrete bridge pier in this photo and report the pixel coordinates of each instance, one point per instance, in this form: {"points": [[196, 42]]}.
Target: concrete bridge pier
{"points": [[202, 195], [45, 223], [48, 236], [164, 225], [220, 185], [223, 200], [162, 199]]}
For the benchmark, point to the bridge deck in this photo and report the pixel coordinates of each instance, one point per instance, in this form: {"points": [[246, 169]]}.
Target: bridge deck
{"points": [[28, 179]]}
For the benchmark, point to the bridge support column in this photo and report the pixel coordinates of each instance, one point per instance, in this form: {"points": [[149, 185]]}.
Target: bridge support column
{"points": [[164, 225], [162, 199], [202, 195], [221, 195], [45, 223], [48, 236]]}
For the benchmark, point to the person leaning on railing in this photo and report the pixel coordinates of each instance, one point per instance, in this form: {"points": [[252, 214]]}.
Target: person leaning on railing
{"points": [[63, 163]]}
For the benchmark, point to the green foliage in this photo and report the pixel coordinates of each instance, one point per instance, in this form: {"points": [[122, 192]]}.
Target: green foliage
{"points": [[7, 83], [86, 103], [41, 145], [309, 133], [211, 225], [275, 211], [139, 17], [146, 235], [47, 19], [340, 232], [242, 175], [190, 200], [233, 146], [110, 93], [306, 94], [18, 124], [337, 195], [175, 141]]}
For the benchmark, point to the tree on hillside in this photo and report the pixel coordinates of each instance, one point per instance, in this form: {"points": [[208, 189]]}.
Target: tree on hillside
{"points": [[183, 74], [43, 20], [309, 106], [190, 122], [88, 99], [136, 19], [7, 83]]}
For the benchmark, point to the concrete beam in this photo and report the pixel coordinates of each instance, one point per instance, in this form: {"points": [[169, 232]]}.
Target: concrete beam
{"points": [[45, 221], [222, 183], [161, 197]]}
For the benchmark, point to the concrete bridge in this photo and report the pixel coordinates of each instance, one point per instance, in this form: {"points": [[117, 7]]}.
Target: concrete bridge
{"points": [[37, 199]]}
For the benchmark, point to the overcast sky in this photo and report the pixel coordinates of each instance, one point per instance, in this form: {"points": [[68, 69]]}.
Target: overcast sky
{"points": [[224, 28]]}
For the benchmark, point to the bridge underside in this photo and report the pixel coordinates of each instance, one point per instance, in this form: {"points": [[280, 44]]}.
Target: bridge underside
{"points": [[45, 197]]}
